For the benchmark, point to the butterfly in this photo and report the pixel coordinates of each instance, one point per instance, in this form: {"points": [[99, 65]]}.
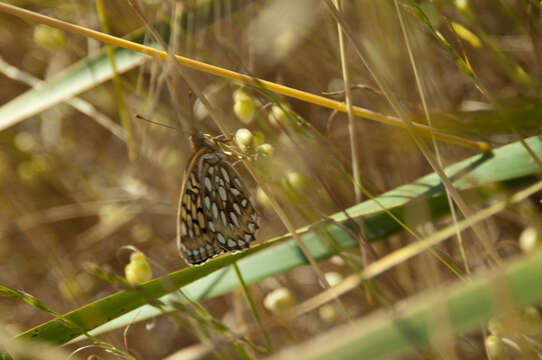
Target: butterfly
{"points": [[215, 214]]}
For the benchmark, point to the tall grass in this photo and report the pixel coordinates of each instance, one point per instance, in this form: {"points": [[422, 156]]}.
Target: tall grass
{"points": [[445, 266]]}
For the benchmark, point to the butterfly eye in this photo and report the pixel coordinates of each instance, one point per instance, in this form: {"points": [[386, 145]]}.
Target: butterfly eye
{"points": [[215, 213]]}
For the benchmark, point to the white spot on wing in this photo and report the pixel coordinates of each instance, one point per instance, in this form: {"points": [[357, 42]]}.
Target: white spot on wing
{"points": [[231, 243], [234, 218], [215, 211], [208, 183], [225, 175], [211, 226], [223, 216], [236, 208], [220, 238], [235, 192], [207, 202], [222, 193]]}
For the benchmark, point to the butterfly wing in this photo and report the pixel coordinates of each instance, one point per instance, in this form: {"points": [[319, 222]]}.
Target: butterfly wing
{"points": [[231, 217], [195, 243], [214, 213]]}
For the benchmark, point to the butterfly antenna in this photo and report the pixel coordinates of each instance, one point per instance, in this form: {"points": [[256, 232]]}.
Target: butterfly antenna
{"points": [[156, 123]]}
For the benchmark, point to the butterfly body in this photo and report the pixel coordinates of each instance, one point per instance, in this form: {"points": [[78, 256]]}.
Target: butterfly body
{"points": [[214, 214]]}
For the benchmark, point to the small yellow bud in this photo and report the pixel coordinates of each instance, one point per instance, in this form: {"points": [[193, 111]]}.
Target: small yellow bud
{"points": [[297, 181], [333, 278], [528, 239], [278, 115], [258, 138], [243, 106], [243, 139], [49, 37], [138, 269], [25, 141], [496, 348], [266, 149], [279, 300], [241, 95], [327, 313], [200, 111], [337, 260], [244, 110], [461, 4]]}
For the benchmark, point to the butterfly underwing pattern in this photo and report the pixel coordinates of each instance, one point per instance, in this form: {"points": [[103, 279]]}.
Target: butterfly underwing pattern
{"points": [[215, 214]]}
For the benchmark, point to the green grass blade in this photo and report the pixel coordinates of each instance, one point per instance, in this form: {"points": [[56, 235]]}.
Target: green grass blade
{"points": [[78, 78], [506, 163]]}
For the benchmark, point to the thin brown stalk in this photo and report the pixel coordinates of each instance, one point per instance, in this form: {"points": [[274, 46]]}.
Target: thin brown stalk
{"points": [[354, 146], [352, 130], [427, 114], [119, 93]]}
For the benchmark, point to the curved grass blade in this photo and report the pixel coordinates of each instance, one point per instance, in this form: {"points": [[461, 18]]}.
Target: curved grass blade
{"points": [[506, 163]]}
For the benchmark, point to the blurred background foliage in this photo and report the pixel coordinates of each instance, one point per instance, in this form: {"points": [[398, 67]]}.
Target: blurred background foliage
{"points": [[72, 194]]}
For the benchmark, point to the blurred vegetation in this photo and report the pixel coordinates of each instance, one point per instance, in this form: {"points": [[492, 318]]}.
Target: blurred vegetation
{"points": [[90, 192]]}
